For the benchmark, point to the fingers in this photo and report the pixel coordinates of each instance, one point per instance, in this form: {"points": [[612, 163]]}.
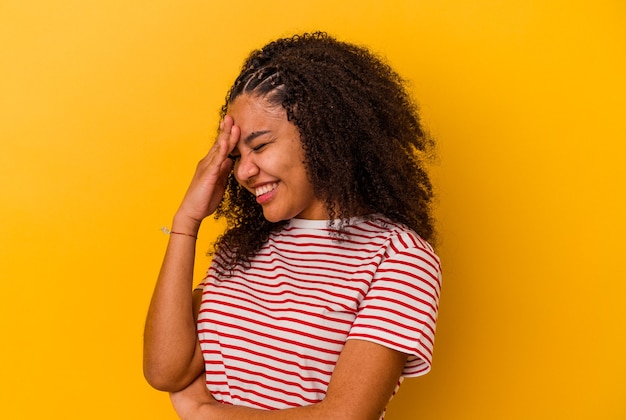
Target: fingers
{"points": [[209, 181], [215, 167], [226, 140], [229, 137], [225, 168]]}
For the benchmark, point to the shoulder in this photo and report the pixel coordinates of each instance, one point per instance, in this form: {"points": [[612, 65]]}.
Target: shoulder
{"points": [[397, 236], [404, 252]]}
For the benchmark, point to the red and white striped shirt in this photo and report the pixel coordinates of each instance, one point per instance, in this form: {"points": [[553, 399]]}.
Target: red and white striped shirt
{"points": [[271, 333]]}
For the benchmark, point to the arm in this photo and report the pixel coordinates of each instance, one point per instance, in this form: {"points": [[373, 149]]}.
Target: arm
{"points": [[362, 383], [366, 373], [172, 358]]}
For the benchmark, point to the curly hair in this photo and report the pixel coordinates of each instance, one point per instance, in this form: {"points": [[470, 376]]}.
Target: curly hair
{"points": [[365, 148]]}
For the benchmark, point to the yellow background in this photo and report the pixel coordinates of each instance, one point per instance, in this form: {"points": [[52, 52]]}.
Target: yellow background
{"points": [[105, 107]]}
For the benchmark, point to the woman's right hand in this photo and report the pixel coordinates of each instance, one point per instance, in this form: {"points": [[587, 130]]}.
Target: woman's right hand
{"points": [[207, 186]]}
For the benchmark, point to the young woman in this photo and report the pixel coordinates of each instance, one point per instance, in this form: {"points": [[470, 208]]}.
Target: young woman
{"points": [[323, 291]]}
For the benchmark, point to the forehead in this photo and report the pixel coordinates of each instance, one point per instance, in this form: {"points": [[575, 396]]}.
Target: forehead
{"points": [[257, 117], [249, 112]]}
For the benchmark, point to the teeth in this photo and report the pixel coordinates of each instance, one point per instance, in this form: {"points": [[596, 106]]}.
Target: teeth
{"points": [[264, 189]]}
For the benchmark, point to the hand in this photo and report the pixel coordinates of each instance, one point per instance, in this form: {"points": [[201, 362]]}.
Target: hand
{"points": [[191, 403], [207, 186]]}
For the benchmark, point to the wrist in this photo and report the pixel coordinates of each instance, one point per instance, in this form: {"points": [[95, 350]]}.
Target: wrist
{"points": [[186, 225]]}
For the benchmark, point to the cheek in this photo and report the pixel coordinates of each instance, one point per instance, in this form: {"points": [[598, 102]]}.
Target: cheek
{"points": [[277, 166]]}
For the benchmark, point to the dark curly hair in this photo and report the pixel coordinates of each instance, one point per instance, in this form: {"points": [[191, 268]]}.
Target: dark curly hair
{"points": [[364, 146]]}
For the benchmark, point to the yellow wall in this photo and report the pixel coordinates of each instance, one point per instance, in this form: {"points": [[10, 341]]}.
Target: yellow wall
{"points": [[106, 106]]}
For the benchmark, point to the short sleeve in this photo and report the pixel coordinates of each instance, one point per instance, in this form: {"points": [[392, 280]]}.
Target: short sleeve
{"points": [[400, 308]]}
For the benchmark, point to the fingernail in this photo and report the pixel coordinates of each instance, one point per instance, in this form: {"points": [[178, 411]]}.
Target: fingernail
{"points": [[222, 125]]}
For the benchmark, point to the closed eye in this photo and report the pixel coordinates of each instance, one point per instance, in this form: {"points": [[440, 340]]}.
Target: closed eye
{"points": [[234, 158], [259, 147]]}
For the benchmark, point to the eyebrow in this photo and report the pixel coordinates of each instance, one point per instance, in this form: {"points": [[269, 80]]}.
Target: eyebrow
{"points": [[248, 139]]}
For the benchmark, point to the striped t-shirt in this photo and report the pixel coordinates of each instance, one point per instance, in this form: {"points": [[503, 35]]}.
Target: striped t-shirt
{"points": [[271, 333]]}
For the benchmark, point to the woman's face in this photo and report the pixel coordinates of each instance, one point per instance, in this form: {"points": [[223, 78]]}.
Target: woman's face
{"points": [[269, 161]]}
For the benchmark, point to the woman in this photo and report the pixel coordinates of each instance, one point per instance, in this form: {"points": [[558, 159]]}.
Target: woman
{"points": [[323, 291]]}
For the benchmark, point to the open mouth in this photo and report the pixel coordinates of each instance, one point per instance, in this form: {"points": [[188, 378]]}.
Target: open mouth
{"points": [[265, 189]]}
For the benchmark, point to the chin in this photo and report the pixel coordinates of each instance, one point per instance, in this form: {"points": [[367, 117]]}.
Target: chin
{"points": [[275, 218]]}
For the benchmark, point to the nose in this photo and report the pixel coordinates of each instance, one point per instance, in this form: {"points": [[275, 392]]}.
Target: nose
{"points": [[245, 168]]}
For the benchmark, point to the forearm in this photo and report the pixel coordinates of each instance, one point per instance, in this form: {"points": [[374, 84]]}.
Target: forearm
{"points": [[228, 412], [196, 403], [319, 411], [362, 383], [170, 340]]}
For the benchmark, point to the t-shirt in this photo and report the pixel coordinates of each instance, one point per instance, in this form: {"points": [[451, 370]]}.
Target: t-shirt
{"points": [[272, 331]]}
